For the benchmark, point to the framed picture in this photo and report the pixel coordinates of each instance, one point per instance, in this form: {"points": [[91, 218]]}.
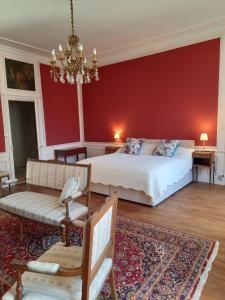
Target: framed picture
{"points": [[19, 75]]}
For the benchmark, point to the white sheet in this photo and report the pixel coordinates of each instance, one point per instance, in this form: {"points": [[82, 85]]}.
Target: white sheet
{"points": [[148, 173]]}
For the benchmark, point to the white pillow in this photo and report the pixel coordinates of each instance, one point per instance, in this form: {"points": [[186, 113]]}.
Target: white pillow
{"points": [[146, 149], [70, 189], [183, 152]]}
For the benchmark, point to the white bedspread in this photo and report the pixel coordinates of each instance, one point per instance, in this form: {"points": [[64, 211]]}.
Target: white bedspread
{"points": [[148, 173]]}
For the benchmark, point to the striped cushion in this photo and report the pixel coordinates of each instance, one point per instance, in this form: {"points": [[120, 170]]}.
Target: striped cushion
{"points": [[40, 207], [54, 175], [42, 286]]}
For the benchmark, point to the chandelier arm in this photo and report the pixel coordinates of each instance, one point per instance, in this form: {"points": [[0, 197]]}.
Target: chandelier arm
{"points": [[72, 16]]}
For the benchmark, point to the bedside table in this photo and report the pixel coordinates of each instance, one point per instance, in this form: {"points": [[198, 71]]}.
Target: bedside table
{"points": [[70, 152], [111, 149], [204, 159]]}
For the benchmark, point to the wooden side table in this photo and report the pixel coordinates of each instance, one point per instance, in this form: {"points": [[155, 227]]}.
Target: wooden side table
{"points": [[204, 159], [70, 152], [111, 149]]}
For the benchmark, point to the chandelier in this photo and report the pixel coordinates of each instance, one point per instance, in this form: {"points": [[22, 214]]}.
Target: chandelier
{"points": [[72, 62]]}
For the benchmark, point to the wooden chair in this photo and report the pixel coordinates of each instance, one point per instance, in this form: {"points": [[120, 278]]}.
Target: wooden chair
{"points": [[73, 273]]}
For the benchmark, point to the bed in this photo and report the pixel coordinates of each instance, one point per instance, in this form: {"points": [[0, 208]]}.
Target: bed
{"points": [[142, 178]]}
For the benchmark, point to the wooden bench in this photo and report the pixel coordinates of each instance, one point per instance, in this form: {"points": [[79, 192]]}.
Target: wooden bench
{"points": [[43, 207]]}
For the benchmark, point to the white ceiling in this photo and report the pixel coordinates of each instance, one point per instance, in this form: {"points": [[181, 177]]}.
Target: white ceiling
{"points": [[112, 26]]}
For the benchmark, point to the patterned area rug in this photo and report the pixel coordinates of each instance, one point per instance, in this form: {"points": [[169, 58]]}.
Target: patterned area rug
{"points": [[151, 262]]}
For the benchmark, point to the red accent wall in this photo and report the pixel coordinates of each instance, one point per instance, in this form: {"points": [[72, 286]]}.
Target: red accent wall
{"points": [[2, 138], [173, 94], [60, 110]]}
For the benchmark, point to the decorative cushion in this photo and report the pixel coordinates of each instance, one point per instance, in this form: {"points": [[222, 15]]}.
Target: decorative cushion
{"points": [[132, 146], [70, 189], [40, 207], [166, 148]]}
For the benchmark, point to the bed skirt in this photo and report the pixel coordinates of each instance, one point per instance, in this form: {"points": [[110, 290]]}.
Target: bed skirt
{"points": [[140, 196]]}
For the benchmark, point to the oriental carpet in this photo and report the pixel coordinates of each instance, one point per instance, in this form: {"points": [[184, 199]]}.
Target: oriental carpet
{"points": [[151, 262]]}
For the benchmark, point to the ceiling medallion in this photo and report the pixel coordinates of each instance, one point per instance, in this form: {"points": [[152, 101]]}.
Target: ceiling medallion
{"points": [[72, 62]]}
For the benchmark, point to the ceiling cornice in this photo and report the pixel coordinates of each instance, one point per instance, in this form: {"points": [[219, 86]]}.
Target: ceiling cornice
{"points": [[187, 36], [184, 37], [23, 47]]}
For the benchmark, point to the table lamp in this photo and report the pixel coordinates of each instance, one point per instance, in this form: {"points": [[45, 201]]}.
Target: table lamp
{"points": [[203, 138], [116, 136]]}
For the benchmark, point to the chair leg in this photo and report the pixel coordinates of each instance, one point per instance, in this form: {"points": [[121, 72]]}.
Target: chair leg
{"points": [[21, 230], [67, 235], [10, 189], [63, 234], [112, 285], [19, 287]]}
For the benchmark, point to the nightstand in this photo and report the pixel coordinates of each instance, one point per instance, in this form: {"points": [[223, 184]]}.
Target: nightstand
{"points": [[70, 152], [204, 159], [111, 149]]}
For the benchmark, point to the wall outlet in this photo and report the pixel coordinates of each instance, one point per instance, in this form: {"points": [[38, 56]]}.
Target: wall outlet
{"points": [[220, 177]]}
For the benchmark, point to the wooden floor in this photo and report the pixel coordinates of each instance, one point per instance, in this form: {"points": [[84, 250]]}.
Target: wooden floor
{"points": [[197, 209]]}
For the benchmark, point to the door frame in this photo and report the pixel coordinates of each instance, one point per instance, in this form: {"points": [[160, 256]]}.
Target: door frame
{"points": [[7, 128]]}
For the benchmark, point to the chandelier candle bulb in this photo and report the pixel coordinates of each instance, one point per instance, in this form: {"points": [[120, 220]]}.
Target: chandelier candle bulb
{"points": [[60, 48], [53, 55], [94, 51], [72, 80], [80, 47]]}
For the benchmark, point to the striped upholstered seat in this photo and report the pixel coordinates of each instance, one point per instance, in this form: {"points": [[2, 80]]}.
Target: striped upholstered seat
{"points": [[40, 207]]}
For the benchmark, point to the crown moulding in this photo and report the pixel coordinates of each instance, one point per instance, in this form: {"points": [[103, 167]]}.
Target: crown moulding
{"points": [[184, 37]]}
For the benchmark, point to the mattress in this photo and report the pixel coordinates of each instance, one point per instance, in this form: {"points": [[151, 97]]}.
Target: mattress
{"points": [[147, 173]]}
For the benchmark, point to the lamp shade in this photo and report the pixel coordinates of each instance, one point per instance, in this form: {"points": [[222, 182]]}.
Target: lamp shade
{"points": [[116, 135], [204, 137]]}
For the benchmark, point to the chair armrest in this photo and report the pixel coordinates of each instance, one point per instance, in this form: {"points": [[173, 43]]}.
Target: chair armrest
{"points": [[20, 182], [19, 265], [77, 223], [68, 200], [43, 268]]}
